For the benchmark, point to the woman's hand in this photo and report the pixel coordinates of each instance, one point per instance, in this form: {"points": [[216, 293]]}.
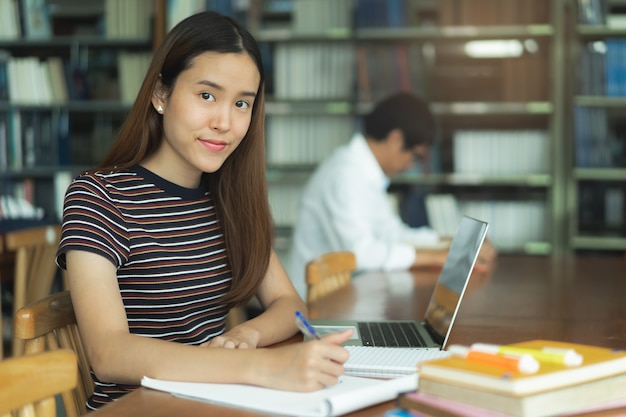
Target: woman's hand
{"points": [[239, 337], [305, 366]]}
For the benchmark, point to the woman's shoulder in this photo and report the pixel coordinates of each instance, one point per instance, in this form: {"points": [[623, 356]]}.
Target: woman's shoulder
{"points": [[106, 181]]}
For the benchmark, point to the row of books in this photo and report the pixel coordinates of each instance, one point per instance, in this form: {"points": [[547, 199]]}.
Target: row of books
{"points": [[598, 143], [30, 80], [284, 202], [479, 383], [24, 18], [602, 208], [33, 19], [321, 16], [608, 13], [591, 69], [593, 12], [34, 198], [501, 152], [390, 13], [512, 224], [313, 70], [300, 139], [493, 12], [177, 10], [30, 139], [17, 202], [601, 69], [45, 138], [332, 16], [324, 15], [615, 67], [128, 19], [132, 67], [329, 70], [383, 69]]}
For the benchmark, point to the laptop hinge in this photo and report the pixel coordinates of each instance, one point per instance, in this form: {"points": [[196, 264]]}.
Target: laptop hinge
{"points": [[433, 333]]}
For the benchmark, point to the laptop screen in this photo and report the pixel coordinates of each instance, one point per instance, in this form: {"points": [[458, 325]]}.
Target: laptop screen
{"points": [[462, 255]]}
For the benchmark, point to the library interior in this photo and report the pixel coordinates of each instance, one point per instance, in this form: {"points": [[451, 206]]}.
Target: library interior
{"points": [[529, 101]]}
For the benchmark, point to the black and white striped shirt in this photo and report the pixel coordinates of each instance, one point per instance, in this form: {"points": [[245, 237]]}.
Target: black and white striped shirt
{"points": [[168, 248]]}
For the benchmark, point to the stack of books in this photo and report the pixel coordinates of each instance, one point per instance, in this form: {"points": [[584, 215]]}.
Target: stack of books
{"points": [[461, 385]]}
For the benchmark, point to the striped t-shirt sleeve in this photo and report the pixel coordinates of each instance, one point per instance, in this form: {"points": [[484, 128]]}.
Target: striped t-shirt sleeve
{"points": [[92, 222]]}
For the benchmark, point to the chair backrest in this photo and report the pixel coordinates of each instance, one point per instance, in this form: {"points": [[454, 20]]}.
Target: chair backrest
{"points": [[28, 384], [1, 316], [35, 249], [50, 324], [328, 273]]}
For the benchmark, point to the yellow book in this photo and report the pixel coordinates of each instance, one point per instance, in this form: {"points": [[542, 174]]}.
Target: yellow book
{"points": [[570, 399], [598, 363], [553, 389]]}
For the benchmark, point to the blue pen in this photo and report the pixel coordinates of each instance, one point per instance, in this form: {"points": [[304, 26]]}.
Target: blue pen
{"points": [[305, 327]]}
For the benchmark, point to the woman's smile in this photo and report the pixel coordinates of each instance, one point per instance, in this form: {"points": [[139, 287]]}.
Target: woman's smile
{"points": [[214, 145]]}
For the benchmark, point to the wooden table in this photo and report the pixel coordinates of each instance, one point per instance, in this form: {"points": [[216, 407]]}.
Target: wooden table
{"points": [[580, 300], [571, 299]]}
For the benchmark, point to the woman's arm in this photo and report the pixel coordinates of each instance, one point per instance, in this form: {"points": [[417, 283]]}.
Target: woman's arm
{"points": [[280, 301], [118, 356]]}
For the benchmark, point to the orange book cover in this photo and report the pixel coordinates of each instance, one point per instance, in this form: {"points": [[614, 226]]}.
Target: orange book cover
{"points": [[598, 363]]}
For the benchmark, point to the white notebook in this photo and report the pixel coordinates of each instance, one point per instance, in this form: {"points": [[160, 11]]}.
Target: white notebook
{"points": [[350, 394], [385, 362]]}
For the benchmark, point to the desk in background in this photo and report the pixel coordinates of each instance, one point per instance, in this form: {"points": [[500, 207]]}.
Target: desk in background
{"points": [[572, 299]]}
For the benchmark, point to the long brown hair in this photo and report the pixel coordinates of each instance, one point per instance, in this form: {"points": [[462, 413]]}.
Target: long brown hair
{"points": [[239, 187]]}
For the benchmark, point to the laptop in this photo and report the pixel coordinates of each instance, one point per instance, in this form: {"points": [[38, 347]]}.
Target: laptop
{"points": [[433, 332]]}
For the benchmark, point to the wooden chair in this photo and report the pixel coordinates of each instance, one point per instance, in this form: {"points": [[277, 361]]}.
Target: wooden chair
{"points": [[35, 249], [50, 324], [29, 384], [328, 273], [1, 316]]}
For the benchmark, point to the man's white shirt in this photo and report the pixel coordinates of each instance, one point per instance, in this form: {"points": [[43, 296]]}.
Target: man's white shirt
{"points": [[345, 206]]}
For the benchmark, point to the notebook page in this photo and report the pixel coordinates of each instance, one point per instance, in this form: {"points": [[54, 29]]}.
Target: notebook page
{"points": [[343, 403], [385, 362], [350, 394]]}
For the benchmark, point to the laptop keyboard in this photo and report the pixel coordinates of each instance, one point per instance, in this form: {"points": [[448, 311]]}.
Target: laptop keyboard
{"points": [[390, 334]]}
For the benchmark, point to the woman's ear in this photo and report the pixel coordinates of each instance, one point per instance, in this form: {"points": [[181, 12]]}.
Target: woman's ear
{"points": [[159, 97]]}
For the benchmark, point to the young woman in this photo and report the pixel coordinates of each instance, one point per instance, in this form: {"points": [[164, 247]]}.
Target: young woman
{"points": [[174, 229]]}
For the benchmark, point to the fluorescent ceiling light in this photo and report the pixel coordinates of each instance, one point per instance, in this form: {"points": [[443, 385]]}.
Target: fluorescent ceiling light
{"points": [[494, 49]]}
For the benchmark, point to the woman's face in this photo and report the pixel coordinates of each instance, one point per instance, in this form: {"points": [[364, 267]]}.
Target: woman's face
{"points": [[205, 116]]}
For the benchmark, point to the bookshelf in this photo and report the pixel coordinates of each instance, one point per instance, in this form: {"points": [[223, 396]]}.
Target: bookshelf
{"points": [[597, 151], [310, 61], [328, 61], [312, 109], [83, 67], [500, 118]]}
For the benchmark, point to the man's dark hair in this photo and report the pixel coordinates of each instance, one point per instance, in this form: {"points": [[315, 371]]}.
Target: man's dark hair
{"points": [[404, 111]]}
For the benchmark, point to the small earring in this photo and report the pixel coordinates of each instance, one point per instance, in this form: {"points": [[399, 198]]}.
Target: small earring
{"points": [[160, 109]]}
